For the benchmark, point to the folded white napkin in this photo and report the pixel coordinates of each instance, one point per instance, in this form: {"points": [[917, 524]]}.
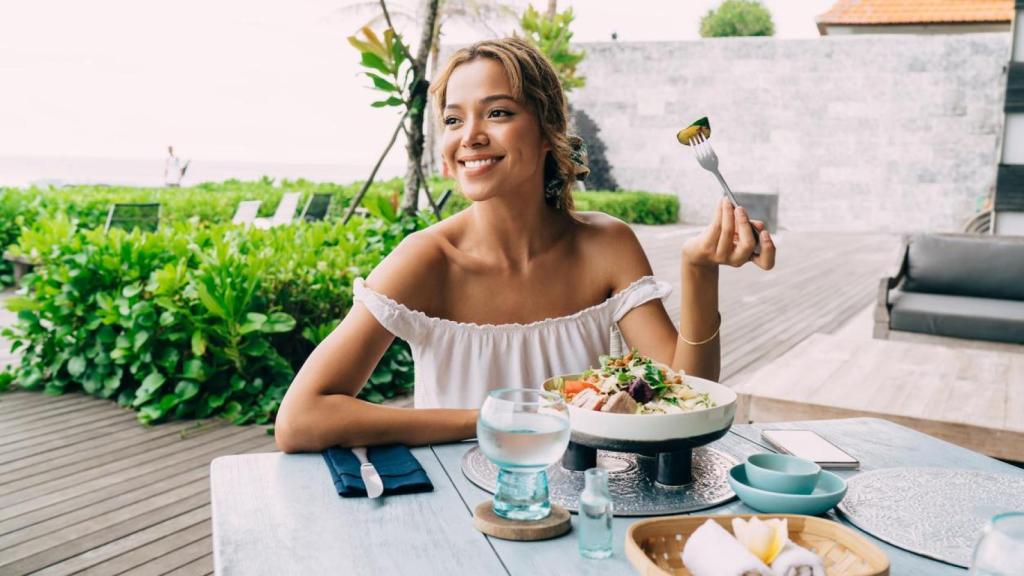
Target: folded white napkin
{"points": [[797, 561], [712, 551]]}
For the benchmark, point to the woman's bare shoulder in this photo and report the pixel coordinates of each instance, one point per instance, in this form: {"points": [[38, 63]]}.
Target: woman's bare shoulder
{"points": [[414, 271], [607, 239], [604, 226]]}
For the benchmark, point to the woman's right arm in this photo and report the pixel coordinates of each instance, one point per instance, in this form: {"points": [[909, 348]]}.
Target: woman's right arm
{"points": [[320, 408]]}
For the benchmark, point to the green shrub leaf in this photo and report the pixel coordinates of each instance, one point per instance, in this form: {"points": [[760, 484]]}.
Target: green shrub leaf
{"points": [[148, 388], [211, 303], [215, 400], [186, 389], [254, 321], [198, 343], [76, 366], [150, 414], [141, 337], [167, 402], [279, 322], [111, 383], [193, 370]]}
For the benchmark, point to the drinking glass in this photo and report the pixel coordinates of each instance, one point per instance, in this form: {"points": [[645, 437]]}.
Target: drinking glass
{"points": [[523, 432], [1000, 552]]}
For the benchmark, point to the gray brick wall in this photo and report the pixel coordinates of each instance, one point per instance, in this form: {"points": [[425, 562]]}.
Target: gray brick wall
{"points": [[893, 133], [875, 133]]}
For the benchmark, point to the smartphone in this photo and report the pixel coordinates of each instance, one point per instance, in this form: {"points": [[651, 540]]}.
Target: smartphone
{"points": [[809, 445]]}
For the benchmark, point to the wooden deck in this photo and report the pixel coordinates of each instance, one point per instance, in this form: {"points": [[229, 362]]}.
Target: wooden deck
{"points": [[967, 396], [84, 489], [820, 281]]}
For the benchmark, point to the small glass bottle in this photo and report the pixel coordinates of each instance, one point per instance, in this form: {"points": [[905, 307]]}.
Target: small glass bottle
{"points": [[595, 516]]}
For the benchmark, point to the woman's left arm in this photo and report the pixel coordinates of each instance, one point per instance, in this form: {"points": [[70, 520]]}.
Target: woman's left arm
{"points": [[695, 348]]}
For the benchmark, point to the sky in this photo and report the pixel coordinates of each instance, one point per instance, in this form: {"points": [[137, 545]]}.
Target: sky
{"points": [[243, 81]]}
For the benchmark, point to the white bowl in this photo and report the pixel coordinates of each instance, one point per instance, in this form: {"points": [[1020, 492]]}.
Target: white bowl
{"points": [[657, 427]]}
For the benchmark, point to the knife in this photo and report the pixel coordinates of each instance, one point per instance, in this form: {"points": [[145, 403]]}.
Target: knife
{"points": [[374, 485]]}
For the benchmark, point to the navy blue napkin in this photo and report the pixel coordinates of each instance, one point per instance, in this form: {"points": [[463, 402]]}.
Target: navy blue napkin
{"points": [[398, 469]]}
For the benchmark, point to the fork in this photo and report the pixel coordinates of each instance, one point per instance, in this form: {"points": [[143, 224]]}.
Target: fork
{"points": [[708, 160]]}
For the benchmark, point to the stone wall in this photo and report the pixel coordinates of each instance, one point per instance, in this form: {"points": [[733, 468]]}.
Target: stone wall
{"points": [[857, 133]]}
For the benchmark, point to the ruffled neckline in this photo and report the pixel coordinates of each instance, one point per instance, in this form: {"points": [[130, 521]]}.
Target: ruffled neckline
{"points": [[360, 286]]}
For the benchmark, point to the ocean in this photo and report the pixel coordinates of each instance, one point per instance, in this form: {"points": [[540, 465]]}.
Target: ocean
{"points": [[38, 170]]}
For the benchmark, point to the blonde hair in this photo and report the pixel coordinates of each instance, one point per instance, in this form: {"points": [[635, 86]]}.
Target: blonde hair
{"points": [[534, 83]]}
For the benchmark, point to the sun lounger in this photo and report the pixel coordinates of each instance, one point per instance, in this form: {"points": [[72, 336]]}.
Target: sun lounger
{"points": [[283, 215]]}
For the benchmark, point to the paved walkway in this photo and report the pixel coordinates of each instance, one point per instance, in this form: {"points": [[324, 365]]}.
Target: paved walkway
{"points": [[135, 500]]}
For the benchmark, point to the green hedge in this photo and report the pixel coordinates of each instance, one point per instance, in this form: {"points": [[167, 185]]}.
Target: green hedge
{"points": [[212, 203], [203, 318], [201, 205], [191, 322], [205, 203], [630, 206]]}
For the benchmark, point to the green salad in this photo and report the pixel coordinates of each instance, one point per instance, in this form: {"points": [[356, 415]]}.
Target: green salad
{"points": [[631, 384]]}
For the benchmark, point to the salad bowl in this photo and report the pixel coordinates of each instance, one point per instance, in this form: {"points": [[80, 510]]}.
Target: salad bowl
{"points": [[667, 415], [652, 433]]}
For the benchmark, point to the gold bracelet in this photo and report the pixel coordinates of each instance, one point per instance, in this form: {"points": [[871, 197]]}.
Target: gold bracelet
{"points": [[709, 338]]}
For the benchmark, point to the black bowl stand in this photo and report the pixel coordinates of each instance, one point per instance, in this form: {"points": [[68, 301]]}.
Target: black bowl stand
{"points": [[668, 462]]}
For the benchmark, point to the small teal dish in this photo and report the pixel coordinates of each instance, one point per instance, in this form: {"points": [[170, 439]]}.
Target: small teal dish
{"points": [[782, 473], [827, 493]]}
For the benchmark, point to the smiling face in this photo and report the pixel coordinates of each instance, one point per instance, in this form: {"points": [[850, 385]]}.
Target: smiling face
{"points": [[492, 143]]}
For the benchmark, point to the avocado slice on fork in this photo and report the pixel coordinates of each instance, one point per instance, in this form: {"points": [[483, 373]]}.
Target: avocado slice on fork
{"points": [[701, 126]]}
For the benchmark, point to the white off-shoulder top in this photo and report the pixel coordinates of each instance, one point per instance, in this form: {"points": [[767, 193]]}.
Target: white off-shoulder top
{"points": [[457, 364]]}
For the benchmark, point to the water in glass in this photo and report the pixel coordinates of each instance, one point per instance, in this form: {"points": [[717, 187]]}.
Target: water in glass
{"points": [[1000, 552], [523, 432]]}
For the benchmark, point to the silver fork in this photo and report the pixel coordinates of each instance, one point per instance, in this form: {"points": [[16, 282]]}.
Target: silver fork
{"points": [[708, 160]]}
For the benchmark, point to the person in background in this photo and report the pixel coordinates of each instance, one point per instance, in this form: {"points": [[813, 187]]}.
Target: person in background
{"points": [[174, 170]]}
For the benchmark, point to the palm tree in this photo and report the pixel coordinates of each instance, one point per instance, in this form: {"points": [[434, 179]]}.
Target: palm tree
{"points": [[408, 15], [493, 16]]}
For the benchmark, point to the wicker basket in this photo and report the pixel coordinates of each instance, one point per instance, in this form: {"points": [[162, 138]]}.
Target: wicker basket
{"points": [[655, 547]]}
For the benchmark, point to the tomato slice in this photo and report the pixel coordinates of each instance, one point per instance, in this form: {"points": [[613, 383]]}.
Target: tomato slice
{"points": [[574, 387]]}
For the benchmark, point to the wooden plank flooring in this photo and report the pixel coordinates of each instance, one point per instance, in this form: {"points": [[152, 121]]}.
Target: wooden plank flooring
{"points": [[113, 498], [84, 489], [820, 281], [962, 395]]}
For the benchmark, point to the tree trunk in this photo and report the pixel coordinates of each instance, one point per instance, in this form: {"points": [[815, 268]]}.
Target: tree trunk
{"points": [[414, 145], [431, 160], [552, 8]]}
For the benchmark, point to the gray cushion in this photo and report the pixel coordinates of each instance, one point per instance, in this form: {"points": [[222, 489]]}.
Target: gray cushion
{"points": [[983, 266], [958, 316]]}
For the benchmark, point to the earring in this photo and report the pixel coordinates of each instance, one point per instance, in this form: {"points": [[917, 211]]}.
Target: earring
{"points": [[553, 188]]}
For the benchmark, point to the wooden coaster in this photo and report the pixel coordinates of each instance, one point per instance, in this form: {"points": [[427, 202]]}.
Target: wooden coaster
{"points": [[486, 521]]}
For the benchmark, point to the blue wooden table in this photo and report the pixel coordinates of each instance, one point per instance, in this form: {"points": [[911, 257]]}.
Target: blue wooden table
{"points": [[279, 514]]}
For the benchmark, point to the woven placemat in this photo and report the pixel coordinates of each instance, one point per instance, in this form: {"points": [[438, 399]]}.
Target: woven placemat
{"points": [[934, 512], [633, 491]]}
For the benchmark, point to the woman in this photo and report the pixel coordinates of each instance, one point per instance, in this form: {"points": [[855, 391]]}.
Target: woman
{"points": [[514, 289]]}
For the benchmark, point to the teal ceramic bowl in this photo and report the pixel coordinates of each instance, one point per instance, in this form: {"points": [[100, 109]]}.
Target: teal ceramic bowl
{"points": [[827, 493], [782, 473]]}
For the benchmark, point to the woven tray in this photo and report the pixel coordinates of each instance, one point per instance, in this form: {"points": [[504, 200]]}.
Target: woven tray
{"points": [[655, 547]]}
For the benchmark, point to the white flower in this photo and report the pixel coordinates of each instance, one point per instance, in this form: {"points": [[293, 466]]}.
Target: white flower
{"points": [[764, 538]]}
